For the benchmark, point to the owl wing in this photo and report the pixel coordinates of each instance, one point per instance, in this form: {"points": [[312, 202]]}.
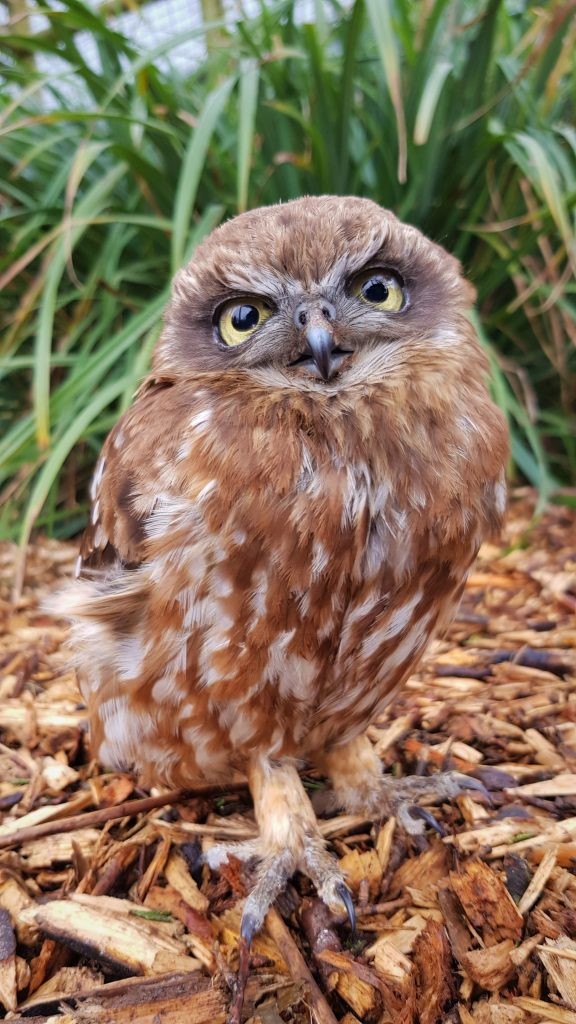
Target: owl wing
{"points": [[116, 532]]}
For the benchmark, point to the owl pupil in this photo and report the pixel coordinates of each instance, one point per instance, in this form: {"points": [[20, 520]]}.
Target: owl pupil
{"points": [[244, 318], [375, 290]]}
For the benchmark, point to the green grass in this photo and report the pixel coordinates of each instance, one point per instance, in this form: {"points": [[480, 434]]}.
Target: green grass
{"points": [[455, 115]]}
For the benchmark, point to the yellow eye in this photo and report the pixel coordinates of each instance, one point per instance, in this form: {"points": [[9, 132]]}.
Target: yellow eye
{"points": [[239, 319], [380, 288]]}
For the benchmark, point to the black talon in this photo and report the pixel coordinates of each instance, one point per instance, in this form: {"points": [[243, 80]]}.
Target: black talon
{"points": [[468, 782], [248, 929], [425, 815], [346, 897]]}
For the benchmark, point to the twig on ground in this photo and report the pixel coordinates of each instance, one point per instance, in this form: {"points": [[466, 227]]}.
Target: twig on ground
{"points": [[282, 936], [123, 810]]}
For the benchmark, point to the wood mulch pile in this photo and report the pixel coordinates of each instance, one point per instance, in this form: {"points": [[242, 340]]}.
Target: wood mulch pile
{"points": [[107, 912]]}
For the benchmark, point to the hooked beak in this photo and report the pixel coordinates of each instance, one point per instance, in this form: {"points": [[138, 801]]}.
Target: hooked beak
{"points": [[320, 345]]}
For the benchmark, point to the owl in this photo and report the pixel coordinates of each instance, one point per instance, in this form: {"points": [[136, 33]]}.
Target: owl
{"points": [[284, 518]]}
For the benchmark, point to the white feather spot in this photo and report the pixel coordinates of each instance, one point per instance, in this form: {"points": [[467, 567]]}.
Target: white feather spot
{"points": [[130, 654], [201, 419], [221, 586], [296, 677], [97, 478], [277, 657], [124, 731], [166, 689], [206, 490], [500, 496], [320, 559], [395, 625], [242, 729], [411, 645]]}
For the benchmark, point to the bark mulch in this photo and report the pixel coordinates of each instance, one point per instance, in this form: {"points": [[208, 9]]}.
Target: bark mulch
{"points": [[108, 914]]}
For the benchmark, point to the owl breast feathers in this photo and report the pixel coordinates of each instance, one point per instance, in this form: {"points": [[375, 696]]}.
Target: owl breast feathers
{"points": [[287, 513]]}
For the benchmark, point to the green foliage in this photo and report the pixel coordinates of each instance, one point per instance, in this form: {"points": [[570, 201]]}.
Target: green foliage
{"points": [[455, 115]]}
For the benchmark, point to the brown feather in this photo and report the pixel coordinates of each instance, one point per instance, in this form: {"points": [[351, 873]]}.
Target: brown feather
{"points": [[269, 553]]}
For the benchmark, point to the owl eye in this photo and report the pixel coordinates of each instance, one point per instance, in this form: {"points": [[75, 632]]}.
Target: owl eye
{"points": [[237, 320], [380, 288]]}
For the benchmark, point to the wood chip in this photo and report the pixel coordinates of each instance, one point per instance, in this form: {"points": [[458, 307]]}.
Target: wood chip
{"points": [[432, 958], [545, 1011], [359, 866], [321, 1012], [170, 999], [109, 931], [559, 959], [384, 843], [487, 902], [389, 963], [352, 985], [491, 968], [178, 874], [384, 739], [561, 785], [8, 986], [14, 897], [539, 879]]}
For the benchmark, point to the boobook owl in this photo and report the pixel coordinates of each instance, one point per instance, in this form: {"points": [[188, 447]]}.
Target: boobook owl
{"points": [[285, 517]]}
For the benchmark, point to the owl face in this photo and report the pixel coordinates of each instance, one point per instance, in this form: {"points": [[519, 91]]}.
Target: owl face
{"points": [[321, 292]]}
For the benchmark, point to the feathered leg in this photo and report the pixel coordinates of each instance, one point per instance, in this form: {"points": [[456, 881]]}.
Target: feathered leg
{"points": [[289, 840]]}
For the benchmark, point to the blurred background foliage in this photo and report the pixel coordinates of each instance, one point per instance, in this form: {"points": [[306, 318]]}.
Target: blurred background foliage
{"points": [[457, 115]]}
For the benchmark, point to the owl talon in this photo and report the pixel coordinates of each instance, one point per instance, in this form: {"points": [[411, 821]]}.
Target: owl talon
{"points": [[423, 814], [345, 895], [469, 782], [248, 928], [272, 878]]}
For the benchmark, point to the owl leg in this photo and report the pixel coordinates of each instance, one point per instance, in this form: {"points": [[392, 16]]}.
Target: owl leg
{"points": [[361, 787], [289, 840]]}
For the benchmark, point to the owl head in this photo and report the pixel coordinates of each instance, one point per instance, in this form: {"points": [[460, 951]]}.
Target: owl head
{"points": [[324, 292]]}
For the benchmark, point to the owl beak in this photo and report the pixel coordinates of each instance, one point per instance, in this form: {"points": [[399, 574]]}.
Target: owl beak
{"points": [[320, 345]]}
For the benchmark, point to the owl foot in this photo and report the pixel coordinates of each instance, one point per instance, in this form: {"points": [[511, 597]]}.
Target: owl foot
{"points": [[289, 841], [276, 870], [360, 787], [401, 798]]}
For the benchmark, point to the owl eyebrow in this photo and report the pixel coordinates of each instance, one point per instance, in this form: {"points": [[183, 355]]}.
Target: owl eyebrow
{"points": [[241, 296], [346, 268]]}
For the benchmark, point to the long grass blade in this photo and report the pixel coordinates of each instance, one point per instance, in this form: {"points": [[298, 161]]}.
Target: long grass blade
{"points": [[248, 98], [193, 165]]}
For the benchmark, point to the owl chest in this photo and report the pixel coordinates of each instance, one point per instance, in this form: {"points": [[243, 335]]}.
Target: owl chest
{"points": [[287, 569]]}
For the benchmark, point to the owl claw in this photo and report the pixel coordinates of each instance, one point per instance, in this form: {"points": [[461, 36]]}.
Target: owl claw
{"points": [[469, 782], [346, 896], [423, 814], [248, 928], [404, 797]]}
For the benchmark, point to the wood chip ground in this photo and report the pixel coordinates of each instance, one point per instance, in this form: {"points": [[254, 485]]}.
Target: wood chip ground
{"points": [[108, 914]]}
